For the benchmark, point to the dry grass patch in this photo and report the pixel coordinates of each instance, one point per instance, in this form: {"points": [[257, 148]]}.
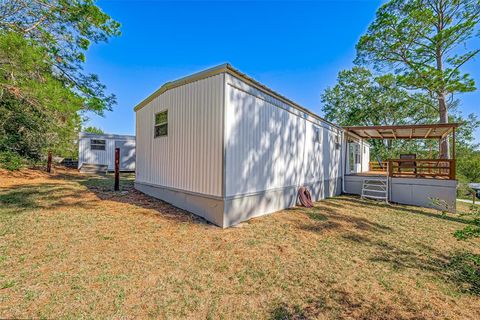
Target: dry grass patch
{"points": [[70, 247]]}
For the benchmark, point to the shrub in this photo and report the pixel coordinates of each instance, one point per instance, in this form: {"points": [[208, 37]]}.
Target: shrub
{"points": [[473, 229], [463, 190], [468, 165], [465, 269], [10, 160]]}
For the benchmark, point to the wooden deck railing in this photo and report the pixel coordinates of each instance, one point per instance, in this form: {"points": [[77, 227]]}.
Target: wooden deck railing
{"points": [[375, 166], [422, 168]]}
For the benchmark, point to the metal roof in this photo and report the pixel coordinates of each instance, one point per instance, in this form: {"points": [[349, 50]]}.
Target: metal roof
{"points": [[227, 68], [413, 131], [105, 136]]}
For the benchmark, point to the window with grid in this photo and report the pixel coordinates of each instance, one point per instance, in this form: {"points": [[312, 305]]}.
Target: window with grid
{"points": [[97, 144], [161, 124]]}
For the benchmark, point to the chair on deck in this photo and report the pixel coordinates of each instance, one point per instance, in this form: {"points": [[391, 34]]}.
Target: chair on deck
{"points": [[407, 164]]}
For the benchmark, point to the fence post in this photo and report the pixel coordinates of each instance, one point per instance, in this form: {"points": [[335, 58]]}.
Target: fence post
{"points": [[49, 161], [117, 168]]}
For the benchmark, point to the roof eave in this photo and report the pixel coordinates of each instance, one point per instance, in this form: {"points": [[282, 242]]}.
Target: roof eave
{"points": [[227, 68], [176, 83], [395, 135]]}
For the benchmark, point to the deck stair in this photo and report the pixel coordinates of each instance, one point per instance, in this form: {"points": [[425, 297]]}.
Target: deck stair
{"points": [[375, 188]]}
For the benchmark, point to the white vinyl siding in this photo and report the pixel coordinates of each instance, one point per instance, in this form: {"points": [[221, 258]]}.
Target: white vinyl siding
{"points": [[91, 156], [87, 155], [191, 157], [271, 145], [365, 157]]}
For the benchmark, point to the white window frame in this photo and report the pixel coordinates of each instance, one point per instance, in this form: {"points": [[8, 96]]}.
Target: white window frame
{"points": [[92, 144]]}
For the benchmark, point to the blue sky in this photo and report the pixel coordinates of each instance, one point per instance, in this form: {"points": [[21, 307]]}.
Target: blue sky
{"points": [[296, 48]]}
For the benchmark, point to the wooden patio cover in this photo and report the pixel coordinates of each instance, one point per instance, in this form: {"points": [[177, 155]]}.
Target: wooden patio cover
{"points": [[414, 131]]}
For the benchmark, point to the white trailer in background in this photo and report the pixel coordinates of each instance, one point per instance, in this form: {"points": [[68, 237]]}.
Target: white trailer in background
{"points": [[96, 152], [225, 147]]}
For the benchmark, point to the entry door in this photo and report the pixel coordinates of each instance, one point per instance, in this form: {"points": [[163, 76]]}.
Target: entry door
{"points": [[354, 157], [127, 154]]}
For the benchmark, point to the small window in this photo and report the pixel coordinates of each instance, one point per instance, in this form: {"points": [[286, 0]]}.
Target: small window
{"points": [[97, 144], [161, 124]]}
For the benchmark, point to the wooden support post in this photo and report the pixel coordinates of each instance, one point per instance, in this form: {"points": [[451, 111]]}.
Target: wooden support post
{"points": [[453, 167], [49, 161], [454, 142], [117, 169], [474, 195], [453, 163]]}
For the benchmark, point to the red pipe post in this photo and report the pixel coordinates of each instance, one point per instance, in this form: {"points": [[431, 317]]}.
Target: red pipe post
{"points": [[117, 169]]}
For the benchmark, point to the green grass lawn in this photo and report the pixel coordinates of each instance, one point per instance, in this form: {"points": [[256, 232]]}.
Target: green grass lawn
{"points": [[70, 247]]}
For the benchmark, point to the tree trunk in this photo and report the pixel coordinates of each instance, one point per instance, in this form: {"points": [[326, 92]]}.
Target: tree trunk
{"points": [[442, 104], [444, 143]]}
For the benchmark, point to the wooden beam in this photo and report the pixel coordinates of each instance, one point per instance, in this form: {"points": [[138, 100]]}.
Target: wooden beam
{"points": [[393, 132], [367, 134], [434, 131], [379, 133], [406, 126], [447, 133], [428, 133]]}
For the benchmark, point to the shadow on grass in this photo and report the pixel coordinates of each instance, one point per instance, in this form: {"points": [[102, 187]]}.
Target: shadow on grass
{"points": [[326, 217], [335, 303], [413, 210], [462, 269], [428, 259], [19, 199], [22, 198], [103, 187]]}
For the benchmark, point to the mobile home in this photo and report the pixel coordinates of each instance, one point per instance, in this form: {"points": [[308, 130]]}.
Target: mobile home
{"points": [[225, 147], [96, 152]]}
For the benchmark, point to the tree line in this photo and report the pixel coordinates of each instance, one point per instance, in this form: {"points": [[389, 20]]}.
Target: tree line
{"points": [[409, 69], [44, 91]]}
